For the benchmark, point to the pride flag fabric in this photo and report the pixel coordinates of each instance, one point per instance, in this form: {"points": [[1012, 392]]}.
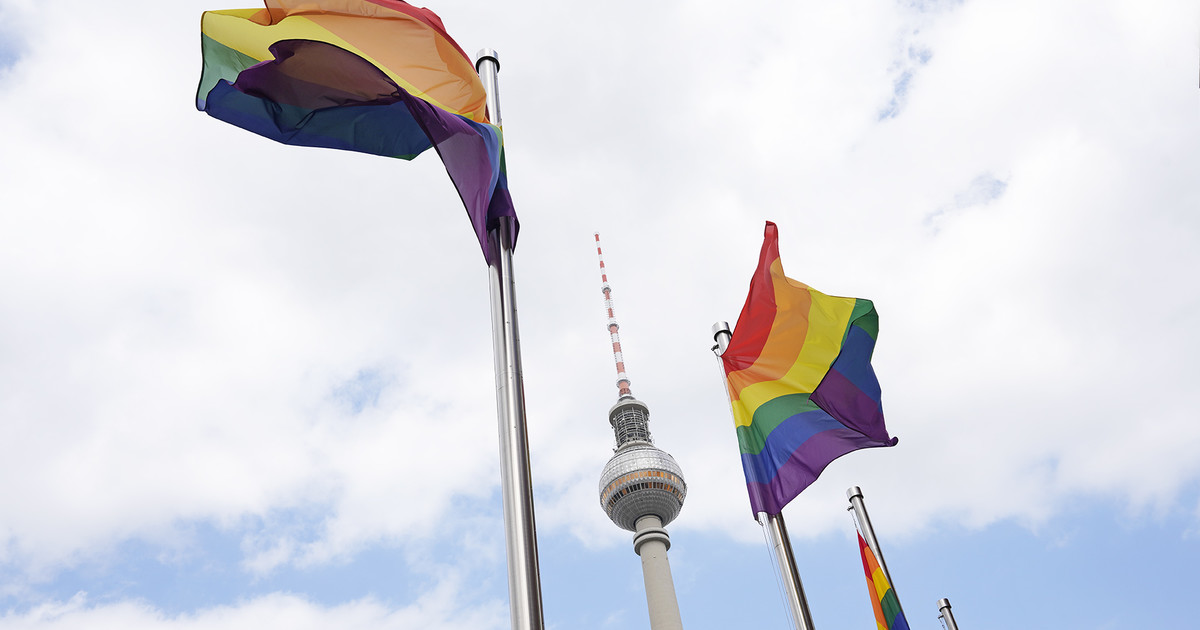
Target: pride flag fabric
{"points": [[374, 76], [800, 381], [888, 615]]}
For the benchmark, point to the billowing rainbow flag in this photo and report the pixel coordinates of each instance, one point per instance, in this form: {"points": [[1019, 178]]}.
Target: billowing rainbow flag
{"points": [[798, 370], [374, 76], [888, 615]]}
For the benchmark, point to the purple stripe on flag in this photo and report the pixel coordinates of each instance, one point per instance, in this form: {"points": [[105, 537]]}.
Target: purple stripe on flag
{"points": [[316, 75], [803, 467], [471, 152], [779, 445], [850, 406]]}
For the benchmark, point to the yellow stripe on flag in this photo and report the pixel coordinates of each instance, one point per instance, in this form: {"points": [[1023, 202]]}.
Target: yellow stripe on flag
{"points": [[822, 322]]}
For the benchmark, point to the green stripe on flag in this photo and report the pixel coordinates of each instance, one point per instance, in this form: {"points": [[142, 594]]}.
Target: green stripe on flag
{"points": [[768, 416]]}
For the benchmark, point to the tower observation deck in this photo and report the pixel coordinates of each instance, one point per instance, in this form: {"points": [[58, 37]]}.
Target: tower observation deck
{"points": [[641, 487]]}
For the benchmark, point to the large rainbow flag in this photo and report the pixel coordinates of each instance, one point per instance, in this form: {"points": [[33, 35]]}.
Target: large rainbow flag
{"points": [[798, 370], [888, 615], [374, 76]]}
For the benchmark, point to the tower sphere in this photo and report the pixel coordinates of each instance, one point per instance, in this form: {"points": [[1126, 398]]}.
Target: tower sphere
{"points": [[641, 480]]}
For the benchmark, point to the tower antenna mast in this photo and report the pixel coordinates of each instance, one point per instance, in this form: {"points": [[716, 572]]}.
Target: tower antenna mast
{"points": [[613, 328]]}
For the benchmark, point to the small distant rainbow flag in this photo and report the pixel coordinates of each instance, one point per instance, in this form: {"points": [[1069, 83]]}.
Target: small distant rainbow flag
{"points": [[374, 76], [798, 370], [888, 615]]}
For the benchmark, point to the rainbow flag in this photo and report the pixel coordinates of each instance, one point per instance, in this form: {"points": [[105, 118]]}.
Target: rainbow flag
{"points": [[888, 615], [798, 370], [374, 76]]}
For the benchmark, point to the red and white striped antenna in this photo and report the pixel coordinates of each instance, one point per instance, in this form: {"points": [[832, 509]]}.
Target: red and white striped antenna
{"points": [[622, 378]]}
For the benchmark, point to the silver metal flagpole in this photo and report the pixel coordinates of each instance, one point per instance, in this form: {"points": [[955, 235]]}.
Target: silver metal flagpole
{"points": [[946, 615], [524, 579], [775, 528], [854, 493], [781, 545]]}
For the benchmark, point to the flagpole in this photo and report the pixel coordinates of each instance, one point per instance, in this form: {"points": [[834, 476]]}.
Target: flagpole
{"points": [[781, 545], [854, 493], [524, 580], [776, 529], [944, 609]]}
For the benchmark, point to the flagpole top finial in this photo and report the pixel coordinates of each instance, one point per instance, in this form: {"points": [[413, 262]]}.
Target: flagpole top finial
{"points": [[853, 491], [721, 335], [485, 54], [943, 603]]}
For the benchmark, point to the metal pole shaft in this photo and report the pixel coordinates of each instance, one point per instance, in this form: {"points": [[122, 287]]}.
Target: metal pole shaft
{"points": [[781, 545], [487, 64], [944, 609], [854, 493], [524, 579]]}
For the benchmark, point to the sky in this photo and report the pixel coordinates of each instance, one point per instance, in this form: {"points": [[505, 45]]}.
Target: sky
{"points": [[248, 385]]}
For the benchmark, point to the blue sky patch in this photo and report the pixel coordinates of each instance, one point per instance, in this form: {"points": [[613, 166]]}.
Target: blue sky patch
{"points": [[899, 92], [204, 569], [12, 41], [982, 190], [363, 390], [915, 57], [9, 55], [201, 571]]}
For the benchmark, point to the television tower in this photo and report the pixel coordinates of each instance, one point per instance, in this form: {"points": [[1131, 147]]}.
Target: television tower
{"points": [[641, 488]]}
